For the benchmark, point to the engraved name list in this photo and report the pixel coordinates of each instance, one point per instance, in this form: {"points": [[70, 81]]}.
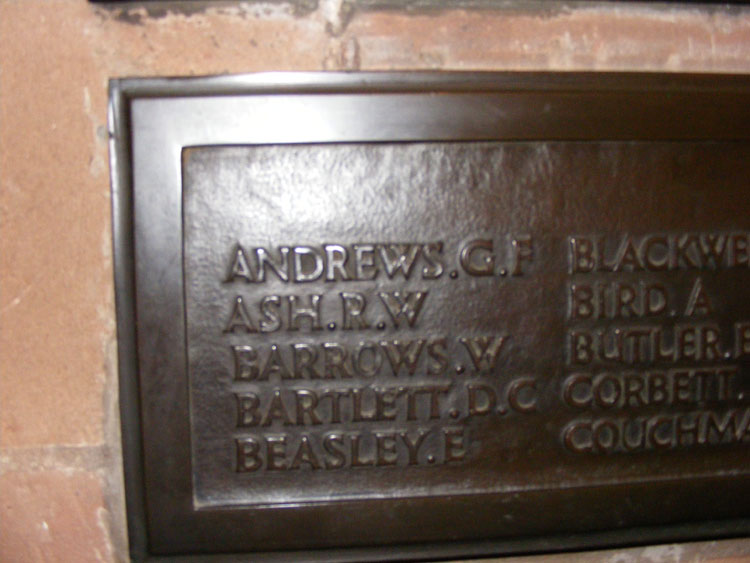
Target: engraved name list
{"points": [[437, 317]]}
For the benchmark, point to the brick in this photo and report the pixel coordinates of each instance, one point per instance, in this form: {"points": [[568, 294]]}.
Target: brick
{"points": [[56, 285], [629, 37], [53, 515], [234, 39]]}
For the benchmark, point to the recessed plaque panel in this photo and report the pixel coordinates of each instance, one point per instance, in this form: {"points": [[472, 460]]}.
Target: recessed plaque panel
{"points": [[485, 325]]}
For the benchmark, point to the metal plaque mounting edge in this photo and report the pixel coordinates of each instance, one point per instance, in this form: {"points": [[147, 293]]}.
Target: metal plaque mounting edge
{"points": [[430, 315]]}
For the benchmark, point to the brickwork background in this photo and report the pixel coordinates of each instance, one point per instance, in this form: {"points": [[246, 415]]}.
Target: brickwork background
{"points": [[60, 482]]}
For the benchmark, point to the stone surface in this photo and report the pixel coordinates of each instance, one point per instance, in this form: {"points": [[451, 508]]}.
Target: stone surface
{"points": [[56, 287], [618, 37], [727, 551], [57, 381], [53, 515]]}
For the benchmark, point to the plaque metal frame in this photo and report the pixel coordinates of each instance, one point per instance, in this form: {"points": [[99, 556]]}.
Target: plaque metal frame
{"points": [[152, 120]]}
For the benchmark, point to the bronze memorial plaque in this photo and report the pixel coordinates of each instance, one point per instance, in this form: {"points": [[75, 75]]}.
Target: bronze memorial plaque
{"points": [[419, 316]]}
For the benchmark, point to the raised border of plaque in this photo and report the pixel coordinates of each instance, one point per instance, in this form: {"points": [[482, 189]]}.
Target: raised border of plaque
{"points": [[152, 122]]}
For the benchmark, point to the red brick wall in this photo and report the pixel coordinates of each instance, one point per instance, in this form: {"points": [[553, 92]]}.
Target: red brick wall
{"points": [[60, 483]]}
